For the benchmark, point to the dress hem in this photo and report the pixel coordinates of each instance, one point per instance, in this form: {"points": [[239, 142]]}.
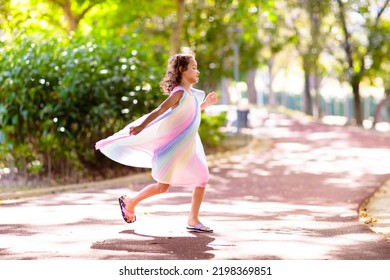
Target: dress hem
{"points": [[194, 185]]}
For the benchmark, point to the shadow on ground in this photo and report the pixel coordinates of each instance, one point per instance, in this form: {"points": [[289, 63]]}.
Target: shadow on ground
{"points": [[167, 248]]}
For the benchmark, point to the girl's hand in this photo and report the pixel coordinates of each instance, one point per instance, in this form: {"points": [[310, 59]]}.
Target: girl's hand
{"points": [[211, 98], [134, 130]]}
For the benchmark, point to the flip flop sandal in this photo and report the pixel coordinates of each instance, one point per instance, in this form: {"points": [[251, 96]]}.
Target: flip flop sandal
{"points": [[199, 228], [126, 214]]}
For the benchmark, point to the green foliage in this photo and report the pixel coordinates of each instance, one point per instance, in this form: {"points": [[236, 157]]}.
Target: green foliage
{"points": [[380, 64], [209, 130], [212, 27], [60, 96]]}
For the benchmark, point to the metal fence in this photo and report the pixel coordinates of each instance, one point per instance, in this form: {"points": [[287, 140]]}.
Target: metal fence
{"points": [[331, 106]]}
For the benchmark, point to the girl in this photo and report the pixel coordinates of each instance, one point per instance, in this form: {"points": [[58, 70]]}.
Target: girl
{"points": [[167, 141]]}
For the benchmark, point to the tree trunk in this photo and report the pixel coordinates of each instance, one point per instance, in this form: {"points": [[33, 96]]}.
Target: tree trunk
{"points": [[307, 100], [354, 76], [252, 92], [271, 94], [357, 102], [317, 81], [71, 19], [379, 108], [316, 15], [49, 165], [175, 36]]}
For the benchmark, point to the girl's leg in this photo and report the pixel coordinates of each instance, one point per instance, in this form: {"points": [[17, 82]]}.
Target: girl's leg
{"points": [[197, 198], [148, 191]]}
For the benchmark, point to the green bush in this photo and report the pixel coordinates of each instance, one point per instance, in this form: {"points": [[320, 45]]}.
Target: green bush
{"points": [[58, 97], [209, 130]]}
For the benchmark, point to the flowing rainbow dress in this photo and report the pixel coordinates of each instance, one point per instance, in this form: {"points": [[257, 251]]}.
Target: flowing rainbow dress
{"points": [[170, 145]]}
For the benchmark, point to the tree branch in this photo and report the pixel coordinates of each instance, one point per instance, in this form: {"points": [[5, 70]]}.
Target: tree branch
{"points": [[370, 39], [90, 6], [381, 11], [347, 45]]}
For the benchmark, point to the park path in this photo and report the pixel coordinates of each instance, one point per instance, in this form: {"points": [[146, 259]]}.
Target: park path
{"points": [[297, 200]]}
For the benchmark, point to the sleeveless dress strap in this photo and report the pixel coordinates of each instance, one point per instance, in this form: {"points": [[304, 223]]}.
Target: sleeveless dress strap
{"points": [[177, 88]]}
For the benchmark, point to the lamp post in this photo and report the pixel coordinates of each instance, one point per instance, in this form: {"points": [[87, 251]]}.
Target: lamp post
{"points": [[235, 33]]}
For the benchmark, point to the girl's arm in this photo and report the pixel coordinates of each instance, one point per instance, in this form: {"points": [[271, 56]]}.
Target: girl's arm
{"points": [[210, 99], [170, 102]]}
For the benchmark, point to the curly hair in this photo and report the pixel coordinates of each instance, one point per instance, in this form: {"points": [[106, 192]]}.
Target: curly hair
{"points": [[172, 76]]}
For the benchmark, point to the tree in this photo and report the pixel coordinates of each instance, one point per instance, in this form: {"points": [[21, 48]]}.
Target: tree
{"points": [[359, 47], [223, 33], [4, 11], [205, 32], [74, 11], [306, 20], [275, 35], [176, 33], [381, 65]]}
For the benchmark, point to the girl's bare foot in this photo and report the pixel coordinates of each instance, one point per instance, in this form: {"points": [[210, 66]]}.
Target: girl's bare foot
{"points": [[129, 204]]}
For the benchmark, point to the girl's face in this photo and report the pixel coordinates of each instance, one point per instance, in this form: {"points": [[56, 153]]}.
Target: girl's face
{"points": [[191, 74]]}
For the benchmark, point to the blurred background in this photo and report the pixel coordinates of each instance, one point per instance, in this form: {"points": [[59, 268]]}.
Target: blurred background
{"points": [[75, 71]]}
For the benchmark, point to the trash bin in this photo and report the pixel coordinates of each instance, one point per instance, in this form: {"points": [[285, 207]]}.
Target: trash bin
{"points": [[242, 118]]}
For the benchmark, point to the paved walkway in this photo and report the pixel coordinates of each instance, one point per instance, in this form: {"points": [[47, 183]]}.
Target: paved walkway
{"points": [[297, 200]]}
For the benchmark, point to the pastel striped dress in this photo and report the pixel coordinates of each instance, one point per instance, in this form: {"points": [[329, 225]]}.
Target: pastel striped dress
{"points": [[170, 145]]}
